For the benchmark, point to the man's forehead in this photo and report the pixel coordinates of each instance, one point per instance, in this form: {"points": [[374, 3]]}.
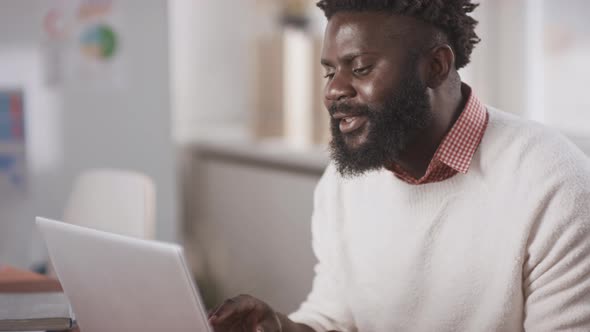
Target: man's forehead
{"points": [[369, 24]]}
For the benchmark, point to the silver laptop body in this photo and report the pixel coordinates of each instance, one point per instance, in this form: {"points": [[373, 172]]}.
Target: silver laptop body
{"points": [[118, 283]]}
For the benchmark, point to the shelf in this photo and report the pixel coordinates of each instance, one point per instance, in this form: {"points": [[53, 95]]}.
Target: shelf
{"points": [[264, 153]]}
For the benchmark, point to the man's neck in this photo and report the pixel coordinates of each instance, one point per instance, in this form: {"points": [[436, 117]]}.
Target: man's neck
{"points": [[446, 108]]}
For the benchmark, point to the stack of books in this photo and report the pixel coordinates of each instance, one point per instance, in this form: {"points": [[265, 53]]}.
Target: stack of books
{"points": [[35, 311], [30, 301]]}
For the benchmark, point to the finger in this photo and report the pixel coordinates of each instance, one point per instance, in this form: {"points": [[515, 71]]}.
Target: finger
{"points": [[253, 318], [213, 311], [238, 320], [235, 307], [268, 324], [224, 308], [234, 323], [250, 317], [267, 321], [262, 327]]}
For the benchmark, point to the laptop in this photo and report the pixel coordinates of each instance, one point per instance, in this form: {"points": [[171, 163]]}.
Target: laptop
{"points": [[119, 283]]}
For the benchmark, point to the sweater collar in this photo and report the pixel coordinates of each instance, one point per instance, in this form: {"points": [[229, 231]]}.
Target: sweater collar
{"points": [[459, 145]]}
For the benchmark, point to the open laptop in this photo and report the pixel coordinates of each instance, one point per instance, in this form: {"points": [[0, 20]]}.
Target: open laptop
{"points": [[118, 283]]}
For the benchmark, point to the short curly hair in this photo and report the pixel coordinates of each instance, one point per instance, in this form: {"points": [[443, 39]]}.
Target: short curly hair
{"points": [[450, 16]]}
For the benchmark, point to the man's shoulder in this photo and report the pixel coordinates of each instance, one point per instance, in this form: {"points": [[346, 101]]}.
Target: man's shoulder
{"points": [[526, 147], [504, 126]]}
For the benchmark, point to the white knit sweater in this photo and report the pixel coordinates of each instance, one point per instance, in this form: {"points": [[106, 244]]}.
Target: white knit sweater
{"points": [[505, 247]]}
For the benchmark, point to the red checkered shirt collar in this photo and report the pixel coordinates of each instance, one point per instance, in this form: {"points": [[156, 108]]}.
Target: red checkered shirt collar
{"points": [[457, 148]]}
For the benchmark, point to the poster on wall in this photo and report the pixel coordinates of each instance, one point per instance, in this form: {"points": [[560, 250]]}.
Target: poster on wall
{"points": [[13, 167], [97, 42], [82, 44]]}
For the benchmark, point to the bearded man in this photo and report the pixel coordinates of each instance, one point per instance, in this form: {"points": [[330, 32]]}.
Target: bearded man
{"points": [[438, 213]]}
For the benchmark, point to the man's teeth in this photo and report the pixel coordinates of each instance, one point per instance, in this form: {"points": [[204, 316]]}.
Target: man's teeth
{"points": [[348, 119]]}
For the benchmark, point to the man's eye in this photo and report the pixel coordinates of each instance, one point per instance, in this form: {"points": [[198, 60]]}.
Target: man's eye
{"points": [[329, 75], [362, 70]]}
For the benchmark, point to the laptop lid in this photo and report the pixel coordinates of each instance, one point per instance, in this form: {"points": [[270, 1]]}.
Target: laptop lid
{"points": [[118, 283]]}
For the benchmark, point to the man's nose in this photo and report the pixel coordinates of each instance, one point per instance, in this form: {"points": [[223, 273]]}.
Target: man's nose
{"points": [[339, 88]]}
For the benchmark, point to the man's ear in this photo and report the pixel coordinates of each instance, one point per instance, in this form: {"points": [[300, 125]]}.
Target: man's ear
{"points": [[441, 61]]}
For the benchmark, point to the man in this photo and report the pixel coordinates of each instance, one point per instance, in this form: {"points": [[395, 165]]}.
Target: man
{"points": [[438, 213]]}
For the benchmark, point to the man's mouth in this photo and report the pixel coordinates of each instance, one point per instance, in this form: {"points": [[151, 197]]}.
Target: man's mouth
{"points": [[348, 124]]}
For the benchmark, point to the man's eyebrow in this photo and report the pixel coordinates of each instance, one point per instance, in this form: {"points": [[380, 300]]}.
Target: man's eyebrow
{"points": [[326, 62], [346, 57]]}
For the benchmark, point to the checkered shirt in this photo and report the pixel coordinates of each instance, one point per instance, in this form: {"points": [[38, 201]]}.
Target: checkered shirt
{"points": [[455, 152]]}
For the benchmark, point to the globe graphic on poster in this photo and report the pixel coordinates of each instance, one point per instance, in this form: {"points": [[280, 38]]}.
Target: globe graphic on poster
{"points": [[99, 42]]}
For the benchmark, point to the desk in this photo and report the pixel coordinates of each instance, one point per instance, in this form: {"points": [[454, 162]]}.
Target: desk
{"points": [[14, 280], [18, 281]]}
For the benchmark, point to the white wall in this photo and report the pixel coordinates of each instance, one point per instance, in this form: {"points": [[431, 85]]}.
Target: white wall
{"points": [[20, 66], [129, 126], [125, 127], [210, 65], [501, 65]]}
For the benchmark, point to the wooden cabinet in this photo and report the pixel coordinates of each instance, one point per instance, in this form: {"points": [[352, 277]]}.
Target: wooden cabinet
{"points": [[248, 210]]}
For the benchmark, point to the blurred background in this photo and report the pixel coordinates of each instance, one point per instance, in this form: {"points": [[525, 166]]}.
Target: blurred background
{"points": [[215, 106]]}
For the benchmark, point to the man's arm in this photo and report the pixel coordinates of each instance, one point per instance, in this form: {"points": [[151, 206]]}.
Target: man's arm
{"points": [[556, 280]]}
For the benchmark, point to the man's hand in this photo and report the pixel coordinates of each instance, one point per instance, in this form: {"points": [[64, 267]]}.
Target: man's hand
{"points": [[245, 313]]}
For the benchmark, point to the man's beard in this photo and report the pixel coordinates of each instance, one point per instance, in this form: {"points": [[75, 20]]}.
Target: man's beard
{"points": [[391, 127]]}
